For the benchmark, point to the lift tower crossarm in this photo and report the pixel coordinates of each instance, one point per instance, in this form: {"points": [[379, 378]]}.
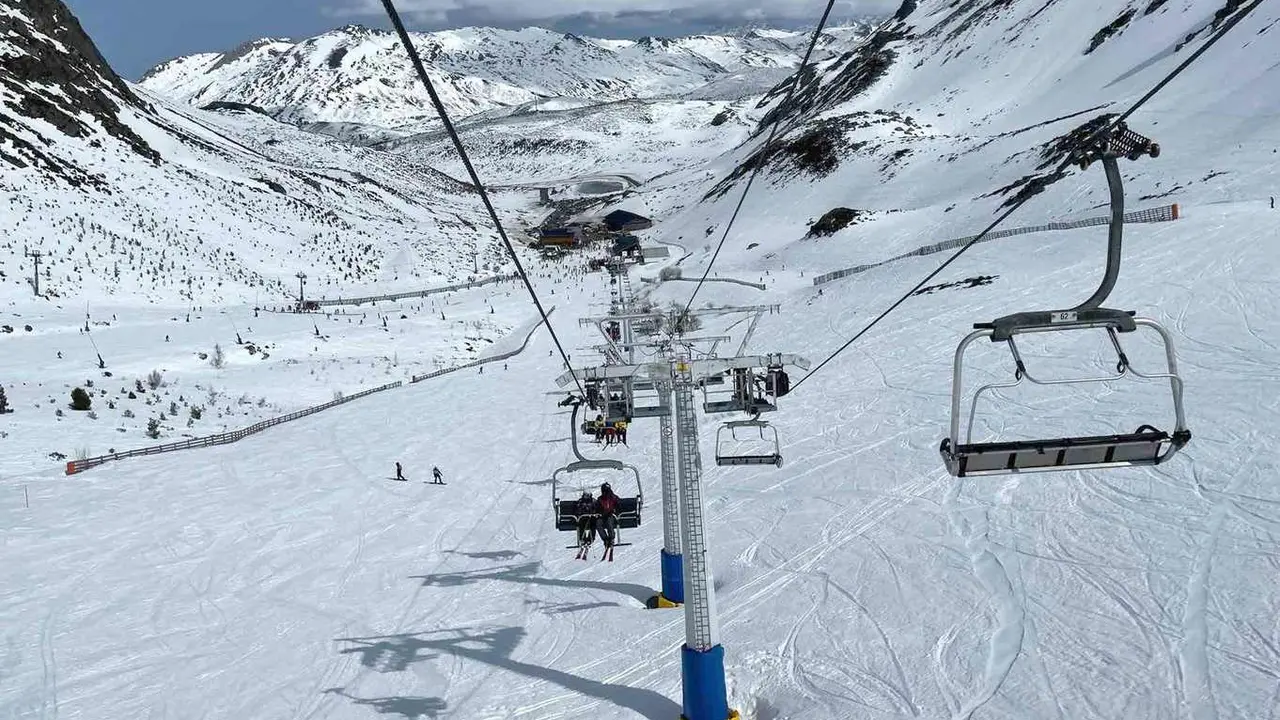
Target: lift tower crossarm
{"points": [[715, 366]]}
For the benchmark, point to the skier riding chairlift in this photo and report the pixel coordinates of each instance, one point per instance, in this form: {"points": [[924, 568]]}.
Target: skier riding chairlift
{"points": [[586, 520], [607, 522]]}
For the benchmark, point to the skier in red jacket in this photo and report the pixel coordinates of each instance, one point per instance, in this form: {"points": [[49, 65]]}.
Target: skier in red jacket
{"points": [[607, 522]]}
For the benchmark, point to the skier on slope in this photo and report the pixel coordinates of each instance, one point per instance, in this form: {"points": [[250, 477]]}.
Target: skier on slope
{"points": [[437, 477], [400, 473], [607, 520]]}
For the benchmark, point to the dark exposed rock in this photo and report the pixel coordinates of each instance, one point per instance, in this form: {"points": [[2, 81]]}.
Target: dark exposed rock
{"points": [[847, 78], [1052, 155], [58, 76], [836, 220], [225, 105], [1113, 27]]}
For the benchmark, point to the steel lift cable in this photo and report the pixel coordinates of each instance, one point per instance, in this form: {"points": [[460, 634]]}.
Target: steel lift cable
{"points": [[764, 150], [416, 59], [1241, 13]]}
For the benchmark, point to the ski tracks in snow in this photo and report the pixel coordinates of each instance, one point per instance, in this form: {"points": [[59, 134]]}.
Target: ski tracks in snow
{"points": [[735, 606], [972, 526], [1193, 651]]}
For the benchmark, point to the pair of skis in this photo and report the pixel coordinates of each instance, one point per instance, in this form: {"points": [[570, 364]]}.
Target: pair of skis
{"points": [[585, 550], [424, 482]]}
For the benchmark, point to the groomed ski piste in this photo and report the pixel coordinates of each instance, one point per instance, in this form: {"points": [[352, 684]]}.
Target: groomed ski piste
{"points": [[287, 576]]}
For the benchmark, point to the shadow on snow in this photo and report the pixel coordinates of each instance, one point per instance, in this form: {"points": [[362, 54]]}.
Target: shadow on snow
{"points": [[527, 573], [492, 647]]}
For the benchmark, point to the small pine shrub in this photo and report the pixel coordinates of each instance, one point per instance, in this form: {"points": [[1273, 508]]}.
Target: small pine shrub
{"points": [[153, 428], [196, 412], [155, 379], [80, 400]]}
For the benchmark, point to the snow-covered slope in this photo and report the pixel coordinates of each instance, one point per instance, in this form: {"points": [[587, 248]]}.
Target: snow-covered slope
{"points": [[638, 138], [286, 576], [941, 118], [125, 194], [357, 75]]}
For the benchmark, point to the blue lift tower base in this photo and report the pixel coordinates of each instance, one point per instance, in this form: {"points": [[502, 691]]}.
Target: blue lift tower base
{"points": [[673, 577], [705, 695]]}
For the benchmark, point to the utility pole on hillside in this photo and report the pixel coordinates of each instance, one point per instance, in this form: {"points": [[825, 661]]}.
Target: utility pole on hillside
{"points": [[35, 276], [302, 282]]}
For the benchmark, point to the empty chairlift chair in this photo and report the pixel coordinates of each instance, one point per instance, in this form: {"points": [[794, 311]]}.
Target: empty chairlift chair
{"points": [[1147, 445], [737, 393], [769, 454]]}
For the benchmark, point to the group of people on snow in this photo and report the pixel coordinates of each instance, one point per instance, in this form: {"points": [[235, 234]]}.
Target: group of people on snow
{"points": [[437, 477]]}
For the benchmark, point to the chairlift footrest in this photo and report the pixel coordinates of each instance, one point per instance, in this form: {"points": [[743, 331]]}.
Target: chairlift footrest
{"points": [[1149, 447], [749, 460]]}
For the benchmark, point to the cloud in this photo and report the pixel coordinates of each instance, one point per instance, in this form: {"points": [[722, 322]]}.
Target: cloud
{"points": [[612, 14]]}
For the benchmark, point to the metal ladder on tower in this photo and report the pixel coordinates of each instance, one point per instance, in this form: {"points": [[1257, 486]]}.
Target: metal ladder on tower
{"points": [[699, 623]]}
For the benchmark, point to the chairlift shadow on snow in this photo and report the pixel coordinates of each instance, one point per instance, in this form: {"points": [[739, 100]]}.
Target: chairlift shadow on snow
{"points": [[494, 647], [383, 655], [527, 573], [554, 608], [489, 554], [412, 708], [531, 483]]}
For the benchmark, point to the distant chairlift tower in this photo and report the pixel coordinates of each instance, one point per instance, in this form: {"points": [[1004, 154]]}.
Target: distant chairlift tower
{"points": [[35, 255]]}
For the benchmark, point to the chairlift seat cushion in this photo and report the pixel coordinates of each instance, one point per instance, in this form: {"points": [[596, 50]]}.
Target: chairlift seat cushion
{"points": [[1142, 448], [725, 406]]}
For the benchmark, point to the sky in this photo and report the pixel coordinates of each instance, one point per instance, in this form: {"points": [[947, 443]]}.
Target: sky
{"points": [[135, 35]]}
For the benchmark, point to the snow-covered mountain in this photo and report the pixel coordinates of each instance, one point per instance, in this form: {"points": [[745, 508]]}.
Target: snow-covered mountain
{"points": [[357, 75], [287, 576], [125, 193]]}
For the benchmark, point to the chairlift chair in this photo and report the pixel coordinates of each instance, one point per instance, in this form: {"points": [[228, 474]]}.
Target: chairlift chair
{"points": [[724, 457], [740, 395], [1147, 445], [647, 401], [568, 512]]}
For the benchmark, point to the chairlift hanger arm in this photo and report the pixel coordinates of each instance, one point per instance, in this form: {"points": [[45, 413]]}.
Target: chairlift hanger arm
{"points": [[1119, 142]]}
